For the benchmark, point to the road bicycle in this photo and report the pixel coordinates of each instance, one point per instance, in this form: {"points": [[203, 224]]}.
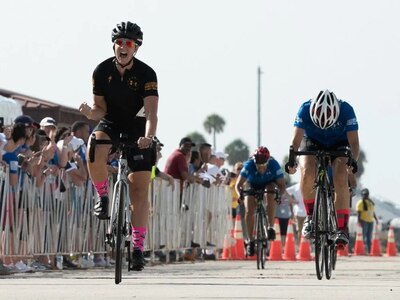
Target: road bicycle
{"points": [[118, 234], [261, 223], [324, 220]]}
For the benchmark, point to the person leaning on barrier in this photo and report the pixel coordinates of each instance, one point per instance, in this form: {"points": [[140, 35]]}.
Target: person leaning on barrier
{"points": [[326, 123], [177, 164], [20, 138], [125, 98]]}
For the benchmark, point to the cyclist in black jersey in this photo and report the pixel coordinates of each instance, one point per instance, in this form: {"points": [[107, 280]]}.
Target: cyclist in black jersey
{"points": [[125, 101]]}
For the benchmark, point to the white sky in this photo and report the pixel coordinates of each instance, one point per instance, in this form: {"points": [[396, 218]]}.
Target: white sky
{"points": [[206, 55]]}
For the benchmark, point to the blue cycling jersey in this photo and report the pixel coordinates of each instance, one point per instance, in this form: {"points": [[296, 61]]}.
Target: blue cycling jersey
{"points": [[257, 180], [333, 135]]}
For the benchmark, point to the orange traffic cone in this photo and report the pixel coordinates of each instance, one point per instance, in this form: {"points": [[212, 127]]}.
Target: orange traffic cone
{"points": [[359, 245], [391, 245], [344, 251], [238, 236], [290, 247], [275, 251], [304, 250], [229, 248], [376, 245]]}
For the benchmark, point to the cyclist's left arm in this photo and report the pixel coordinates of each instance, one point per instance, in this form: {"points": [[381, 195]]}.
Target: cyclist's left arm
{"points": [[280, 182], [352, 138], [150, 108]]}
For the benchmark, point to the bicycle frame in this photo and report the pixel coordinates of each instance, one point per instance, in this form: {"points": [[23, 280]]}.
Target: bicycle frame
{"points": [[119, 225], [324, 216], [261, 222]]}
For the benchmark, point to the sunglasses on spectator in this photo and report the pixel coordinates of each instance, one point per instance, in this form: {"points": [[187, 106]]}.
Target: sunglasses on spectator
{"points": [[127, 43]]}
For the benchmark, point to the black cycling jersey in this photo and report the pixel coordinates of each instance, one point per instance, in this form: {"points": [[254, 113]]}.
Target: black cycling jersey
{"points": [[124, 94]]}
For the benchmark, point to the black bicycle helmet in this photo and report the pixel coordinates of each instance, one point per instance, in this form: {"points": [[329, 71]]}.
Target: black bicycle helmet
{"points": [[365, 193], [127, 30]]}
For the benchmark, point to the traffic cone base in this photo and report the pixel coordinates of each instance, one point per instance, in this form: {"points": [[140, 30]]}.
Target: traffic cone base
{"points": [[304, 250], [238, 236], [391, 245], [376, 245], [359, 245], [275, 251], [344, 251], [290, 247]]}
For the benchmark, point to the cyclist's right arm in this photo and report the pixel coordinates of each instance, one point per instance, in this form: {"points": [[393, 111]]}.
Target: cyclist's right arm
{"points": [[296, 141], [98, 110], [239, 183], [297, 138]]}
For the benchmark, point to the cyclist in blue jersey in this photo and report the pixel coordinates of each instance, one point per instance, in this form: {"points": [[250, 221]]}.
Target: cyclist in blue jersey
{"points": [[326, 123], [261, 171]]}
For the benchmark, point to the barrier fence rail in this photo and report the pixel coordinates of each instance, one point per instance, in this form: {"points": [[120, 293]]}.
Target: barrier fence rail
{"points": [[57, 218]]}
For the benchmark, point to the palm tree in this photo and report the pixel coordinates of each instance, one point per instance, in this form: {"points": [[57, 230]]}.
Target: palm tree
{"points": [[214, 124], [237, 151]]}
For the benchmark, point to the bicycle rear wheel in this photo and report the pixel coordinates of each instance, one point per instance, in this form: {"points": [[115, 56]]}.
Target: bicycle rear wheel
{"points": [[319, 229], [120, 240], [261, 241]]}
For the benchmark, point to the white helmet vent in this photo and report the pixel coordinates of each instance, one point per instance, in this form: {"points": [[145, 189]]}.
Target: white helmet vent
{"points": [[324, 109]]}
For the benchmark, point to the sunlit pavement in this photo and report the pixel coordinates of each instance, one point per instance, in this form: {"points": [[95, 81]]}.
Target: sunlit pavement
{"points": [[357, 277]]}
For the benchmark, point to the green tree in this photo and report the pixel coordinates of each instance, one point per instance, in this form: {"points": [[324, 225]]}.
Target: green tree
{"points": [[237, 151], [214, 124], [197, 138], [362, 159]]}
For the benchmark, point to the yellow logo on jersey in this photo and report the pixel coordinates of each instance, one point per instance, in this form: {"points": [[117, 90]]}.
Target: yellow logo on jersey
{"points": [[132, 83], [150, 86]]}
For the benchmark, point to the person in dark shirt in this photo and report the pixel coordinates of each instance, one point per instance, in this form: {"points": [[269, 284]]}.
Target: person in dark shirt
{"points": [[125, 101]]}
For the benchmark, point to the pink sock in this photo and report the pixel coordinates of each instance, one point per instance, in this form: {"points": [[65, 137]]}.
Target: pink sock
{"points": [[138, 236], [101, 187]]}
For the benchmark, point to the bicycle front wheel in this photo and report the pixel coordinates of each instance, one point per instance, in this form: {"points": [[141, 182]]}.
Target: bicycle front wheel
{"points": [[319, 229], [331, 247], [120, 232], [261, 241]]}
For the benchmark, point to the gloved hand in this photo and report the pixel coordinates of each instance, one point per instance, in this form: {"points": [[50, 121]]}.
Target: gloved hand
{"points": [[288, 167], [353, 164]]}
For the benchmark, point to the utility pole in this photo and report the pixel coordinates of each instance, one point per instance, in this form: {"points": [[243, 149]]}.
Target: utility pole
{"points": [[259, 108]]}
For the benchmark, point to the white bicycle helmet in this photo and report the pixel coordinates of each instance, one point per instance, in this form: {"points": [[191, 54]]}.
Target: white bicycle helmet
{"points": [[324, 109]]}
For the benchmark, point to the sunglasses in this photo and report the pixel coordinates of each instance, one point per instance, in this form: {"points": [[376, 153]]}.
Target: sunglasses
{"points": [[127, 43]]}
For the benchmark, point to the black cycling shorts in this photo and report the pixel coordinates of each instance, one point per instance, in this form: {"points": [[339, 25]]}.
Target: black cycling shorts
{"points": [[138, 159]]}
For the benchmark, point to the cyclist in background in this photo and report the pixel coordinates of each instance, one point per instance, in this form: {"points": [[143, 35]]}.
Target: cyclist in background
{"points": [[326, 123], [125, 100], [261, 171]]}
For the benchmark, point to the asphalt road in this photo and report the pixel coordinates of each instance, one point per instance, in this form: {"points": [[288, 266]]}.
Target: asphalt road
{"points": [[356, 278]]}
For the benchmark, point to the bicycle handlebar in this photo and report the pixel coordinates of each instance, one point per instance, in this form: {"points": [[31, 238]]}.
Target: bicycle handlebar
{"points": [[123, 142], [322, 153], [259, 192]]}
